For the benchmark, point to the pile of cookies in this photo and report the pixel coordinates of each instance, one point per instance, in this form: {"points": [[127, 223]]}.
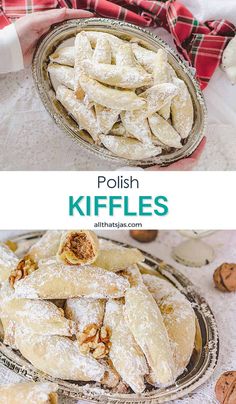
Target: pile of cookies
{"points": [[128, 98], [80, 309], [29, 393]]}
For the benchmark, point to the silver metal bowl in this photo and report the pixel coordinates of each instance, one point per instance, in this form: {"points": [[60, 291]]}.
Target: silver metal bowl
{"points": [[67, 31], [199, 369]]}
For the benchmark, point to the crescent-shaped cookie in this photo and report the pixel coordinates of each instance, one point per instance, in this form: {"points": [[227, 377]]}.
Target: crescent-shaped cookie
{"points": [[158, 96], [29, 393], [7, 293], [144, 56], [102, 51], [133, 274], [115, 258], [58, 357], [85, 311], [38, 316], [161, 74], [62, 75], [178, 316], [129, 148], [83, 115], [146, 324], [122, 76], [64, 56], [83, 51], [136, 125], [110, 97], [83, 48], [164, 132], [57, 281], [125, 55], [182, 109], [106, 118], [125, 353], [46, 246]]}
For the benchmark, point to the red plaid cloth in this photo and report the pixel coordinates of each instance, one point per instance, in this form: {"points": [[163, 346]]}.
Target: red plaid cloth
{"points": [[201, 44]]}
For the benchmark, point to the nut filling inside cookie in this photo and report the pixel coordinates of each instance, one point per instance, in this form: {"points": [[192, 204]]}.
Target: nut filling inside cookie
{"points": [[79, 245]]}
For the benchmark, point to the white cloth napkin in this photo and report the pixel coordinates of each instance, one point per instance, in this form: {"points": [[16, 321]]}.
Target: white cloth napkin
{"points": [[212, 9]]}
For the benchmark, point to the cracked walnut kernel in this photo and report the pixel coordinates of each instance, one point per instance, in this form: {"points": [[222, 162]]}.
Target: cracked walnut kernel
{"points": [[95, 340], [24, 268]]}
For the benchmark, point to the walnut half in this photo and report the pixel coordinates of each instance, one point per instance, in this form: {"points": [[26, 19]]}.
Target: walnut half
{"points": [[24, 268], [95, 340]]}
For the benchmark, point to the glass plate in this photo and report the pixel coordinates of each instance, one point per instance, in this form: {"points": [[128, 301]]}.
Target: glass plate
{"points": [[66, 31], [200, 367]]}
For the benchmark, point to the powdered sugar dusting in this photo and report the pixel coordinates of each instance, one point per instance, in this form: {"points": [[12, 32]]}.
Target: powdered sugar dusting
{"points": [[167, 294], [62, 74], [117, 76], [129, 148], [146, 324], [29, 392], [125, 354], [179, 319], [182, 109], [84, 115], [85, 311], [137, 126], [60, 281], [47, 245], [58, 356], [8, 262], [64, 56]]}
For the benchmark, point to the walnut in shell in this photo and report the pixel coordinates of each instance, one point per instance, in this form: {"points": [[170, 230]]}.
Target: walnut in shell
{"points": [[144, 236], [225, 277], [225, 388]]}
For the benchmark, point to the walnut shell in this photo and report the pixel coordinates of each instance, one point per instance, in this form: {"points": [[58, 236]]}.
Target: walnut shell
{"points": [[225, 277], [225, 388], [144, 236]]}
